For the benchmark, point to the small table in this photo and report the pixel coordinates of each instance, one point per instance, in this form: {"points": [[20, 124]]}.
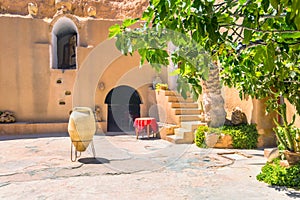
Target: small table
{"points": [[140, 123]]}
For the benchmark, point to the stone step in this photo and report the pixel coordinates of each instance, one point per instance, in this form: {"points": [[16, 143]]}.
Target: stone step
{"points": [[193, 125], [180, 132], [184, 118], [179, 99], [166, 129], [186, 134], [173, 138], [183, 135], [179, 140], [188, 111], [184, 105], [169, 93], [183, 110]]}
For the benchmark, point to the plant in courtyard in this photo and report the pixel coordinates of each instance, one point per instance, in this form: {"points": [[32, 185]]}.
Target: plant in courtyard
{"points": [[161, 86], [200, 136], [288, 135], [274, 174], [257, 43], [265, 61], [243, 136]]}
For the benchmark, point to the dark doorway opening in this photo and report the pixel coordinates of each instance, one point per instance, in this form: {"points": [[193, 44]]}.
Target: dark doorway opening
{"points": [[123, 107]]}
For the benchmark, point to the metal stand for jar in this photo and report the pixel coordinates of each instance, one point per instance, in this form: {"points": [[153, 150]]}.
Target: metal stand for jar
{"points": [[77, 154]]}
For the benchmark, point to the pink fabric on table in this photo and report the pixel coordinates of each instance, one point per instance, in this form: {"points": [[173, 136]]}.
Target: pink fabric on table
{"points": [[140, 123]]}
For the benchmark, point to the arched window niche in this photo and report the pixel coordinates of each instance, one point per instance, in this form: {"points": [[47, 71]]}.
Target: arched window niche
{"points": [[65, 39]]}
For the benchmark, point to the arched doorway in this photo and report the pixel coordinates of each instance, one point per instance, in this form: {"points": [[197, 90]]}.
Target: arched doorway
{"points": [[123, 103]]}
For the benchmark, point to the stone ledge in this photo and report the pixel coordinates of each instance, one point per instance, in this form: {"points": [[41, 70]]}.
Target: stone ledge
{"points": [[27, 128]]}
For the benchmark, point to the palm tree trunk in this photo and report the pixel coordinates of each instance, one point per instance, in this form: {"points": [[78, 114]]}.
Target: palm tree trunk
{"points": [[213, 101]]}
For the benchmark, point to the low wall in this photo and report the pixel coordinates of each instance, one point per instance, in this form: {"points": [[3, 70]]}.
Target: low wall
{"points": [[20, 128]]}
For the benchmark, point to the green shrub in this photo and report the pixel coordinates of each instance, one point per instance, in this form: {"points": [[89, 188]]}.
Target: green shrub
{"points": [[274, 174], [200, 136], [243, 136]]}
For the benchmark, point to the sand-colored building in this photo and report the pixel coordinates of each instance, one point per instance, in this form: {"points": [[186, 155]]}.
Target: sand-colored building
{"points": [[55, 55]]}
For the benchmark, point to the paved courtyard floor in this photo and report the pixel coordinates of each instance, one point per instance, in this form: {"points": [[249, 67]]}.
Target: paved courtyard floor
{"points": [[39, 167]]}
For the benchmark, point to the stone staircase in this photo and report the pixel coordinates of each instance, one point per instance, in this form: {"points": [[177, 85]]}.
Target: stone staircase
{"points": [[183, 117]]}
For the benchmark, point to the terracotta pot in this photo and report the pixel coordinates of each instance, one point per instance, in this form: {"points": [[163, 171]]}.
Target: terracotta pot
{"points": [[292, 158], [211, 139], [81, 127]]}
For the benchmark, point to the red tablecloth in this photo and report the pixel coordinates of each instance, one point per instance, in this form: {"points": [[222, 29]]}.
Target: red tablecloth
{"points": [[140, 123]]}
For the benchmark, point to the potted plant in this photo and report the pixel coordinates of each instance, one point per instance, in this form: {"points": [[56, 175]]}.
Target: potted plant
{"points": [[288, 136], [161, 86], [212, 138]]}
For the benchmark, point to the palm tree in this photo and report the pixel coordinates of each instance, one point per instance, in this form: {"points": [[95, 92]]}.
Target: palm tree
{"points": [[213, 101]]}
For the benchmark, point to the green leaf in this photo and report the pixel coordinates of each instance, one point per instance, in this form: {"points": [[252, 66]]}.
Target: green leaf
{"points": [[297, 20], [295, 8], [291, 35], [212, 30], [155, 2], [247, 36], [258, 74], [142, 53], [225, 18], [174, 72], [270, 57], [129, 22], [265, 4], [274, 3], [148, 14], [114, 30], [260, 51], [119, 44]]}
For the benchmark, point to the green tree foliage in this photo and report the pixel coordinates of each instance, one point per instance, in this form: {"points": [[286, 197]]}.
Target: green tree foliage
{"points": [[256, 41], [264, 60]]}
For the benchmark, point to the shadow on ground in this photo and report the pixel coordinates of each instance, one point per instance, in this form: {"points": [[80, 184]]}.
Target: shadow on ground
{"points": [[293, 194], [92, 160]]}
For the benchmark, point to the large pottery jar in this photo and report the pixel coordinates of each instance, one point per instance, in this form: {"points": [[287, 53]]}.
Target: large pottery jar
{"points": [[81, 127]]}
